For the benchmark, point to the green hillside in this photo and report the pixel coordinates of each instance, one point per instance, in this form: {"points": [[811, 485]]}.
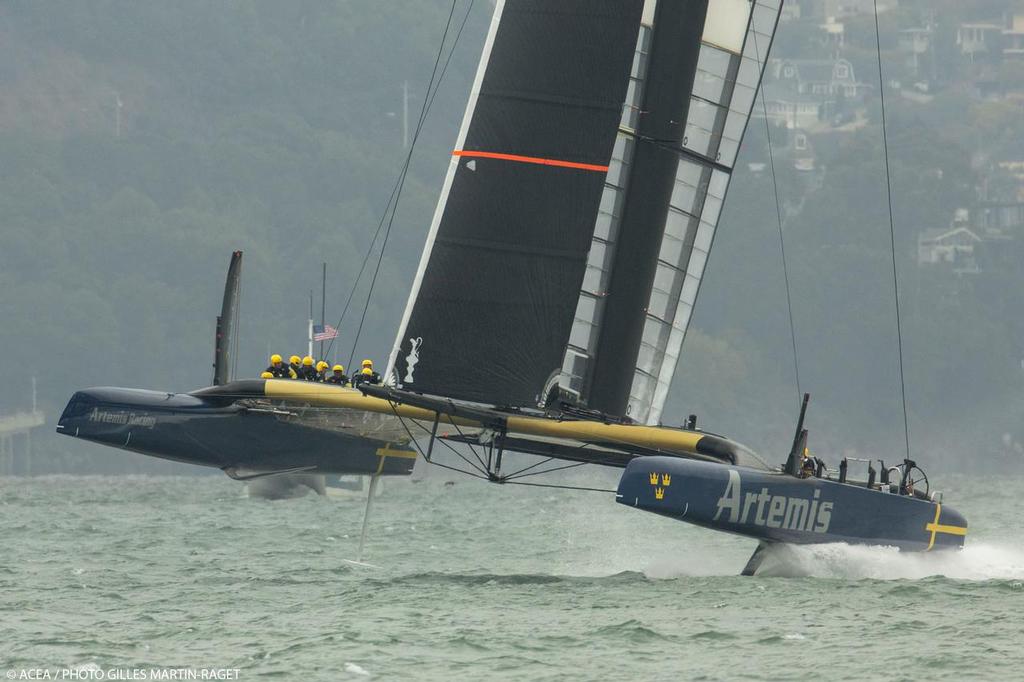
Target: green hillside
{"points": [[142, 142]]}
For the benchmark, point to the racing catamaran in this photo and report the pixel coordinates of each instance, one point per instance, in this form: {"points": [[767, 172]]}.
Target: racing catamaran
{"points": [[563, 262], [564, 259]]}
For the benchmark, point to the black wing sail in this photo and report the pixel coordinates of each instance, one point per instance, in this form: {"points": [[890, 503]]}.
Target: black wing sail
{"points": [[224, 342], [496, 292]]}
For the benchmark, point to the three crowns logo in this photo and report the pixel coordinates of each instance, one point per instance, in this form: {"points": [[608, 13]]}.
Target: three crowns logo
{"points": [[664, 479], [660, 482]]}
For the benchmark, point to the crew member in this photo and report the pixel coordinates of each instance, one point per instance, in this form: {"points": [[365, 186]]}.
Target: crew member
{"points": [[807, 467], [295, 367], [367, 370], [308, 370], [366, 376], [321, 371], [338, 377], [277, 369]]}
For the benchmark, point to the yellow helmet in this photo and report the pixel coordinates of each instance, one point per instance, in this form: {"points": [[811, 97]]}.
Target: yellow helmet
{"points": [[321, 366], [275, 359], [367, 370], [367, 363], [295, 359], [307, 361], [267, 375], [337, 368]]}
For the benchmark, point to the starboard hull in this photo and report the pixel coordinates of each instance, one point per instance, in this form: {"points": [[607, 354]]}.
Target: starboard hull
{"points": [[774, 507]]}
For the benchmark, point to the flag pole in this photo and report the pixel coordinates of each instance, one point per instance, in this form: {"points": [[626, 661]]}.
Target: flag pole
{"points": [[310, 326], [323, 308]]}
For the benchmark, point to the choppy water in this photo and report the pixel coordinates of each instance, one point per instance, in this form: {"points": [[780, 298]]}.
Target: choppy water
{"points": [[483, 582]]}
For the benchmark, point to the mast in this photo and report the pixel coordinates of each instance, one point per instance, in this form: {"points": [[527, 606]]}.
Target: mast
{"points": [[672, 62]]}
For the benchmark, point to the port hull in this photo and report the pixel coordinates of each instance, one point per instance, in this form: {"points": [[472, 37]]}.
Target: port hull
{"points": [[236, 436]]}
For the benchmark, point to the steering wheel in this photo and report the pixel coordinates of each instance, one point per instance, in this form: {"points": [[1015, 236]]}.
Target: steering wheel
{"points": [[917, 481]]}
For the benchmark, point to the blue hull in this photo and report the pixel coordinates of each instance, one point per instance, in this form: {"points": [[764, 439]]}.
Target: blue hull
{"points": [[775, 507], [230, 434]]}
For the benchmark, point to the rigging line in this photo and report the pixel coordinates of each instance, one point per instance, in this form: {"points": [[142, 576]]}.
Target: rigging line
{"points": [[362, 268], [461, 471], [547, 471], [412, 439], [562, 487], [778, 216], [892, 237], [471, 448], [545, 461], [482, 468], [399, 180], [432, 89], [483, 471], [532, 466]]}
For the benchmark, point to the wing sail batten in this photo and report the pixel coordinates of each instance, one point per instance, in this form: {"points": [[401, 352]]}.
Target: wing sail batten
{"points": [[632, 377]]}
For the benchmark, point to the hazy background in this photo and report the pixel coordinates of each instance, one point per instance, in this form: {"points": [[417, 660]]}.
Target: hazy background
{"points": [[142, 142]]}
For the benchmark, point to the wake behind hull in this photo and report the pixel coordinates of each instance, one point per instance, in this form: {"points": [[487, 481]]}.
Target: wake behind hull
{"points": [[774, 507]]}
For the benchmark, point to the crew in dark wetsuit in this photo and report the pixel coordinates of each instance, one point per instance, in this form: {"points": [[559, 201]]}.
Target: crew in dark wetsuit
{"points": [[807, 467], [338, 377], [321, 371], [308, 370], [366, 375], [295, 367], [277, 369]]}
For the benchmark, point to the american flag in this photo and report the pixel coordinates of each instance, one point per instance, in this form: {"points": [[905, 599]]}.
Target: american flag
{"points": [[323, 332]]}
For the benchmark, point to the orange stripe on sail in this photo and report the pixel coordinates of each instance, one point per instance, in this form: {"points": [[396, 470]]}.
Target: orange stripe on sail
{"points": [[532, 159]]}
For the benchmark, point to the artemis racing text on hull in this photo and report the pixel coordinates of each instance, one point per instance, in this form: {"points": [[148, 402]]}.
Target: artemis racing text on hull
{"points": [[775, 507]]}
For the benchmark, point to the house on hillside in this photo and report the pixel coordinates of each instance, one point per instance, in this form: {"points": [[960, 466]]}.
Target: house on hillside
{"points": [[979, 40], [952, 246], [830, 77], [833, 33], [1000, 216], [916, 46], [807, 93], [1013, 36], [845, 8], [993, 40], [792, 109]]}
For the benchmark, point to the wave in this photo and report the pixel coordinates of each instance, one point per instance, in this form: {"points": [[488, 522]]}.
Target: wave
{"points": [[978, 562]]}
